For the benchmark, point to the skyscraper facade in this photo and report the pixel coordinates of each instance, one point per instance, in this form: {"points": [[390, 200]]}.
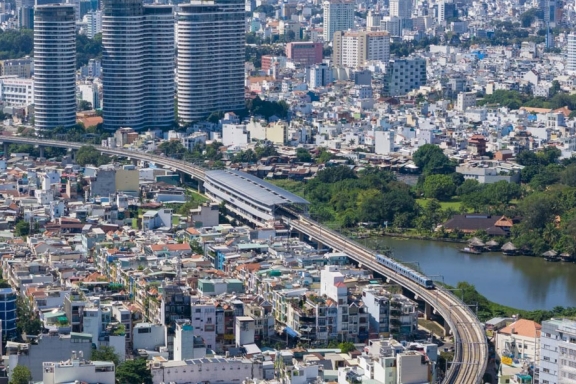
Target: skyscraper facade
{"points": [[401, 8], [571, 57], [137, 55], [211, 43], [54, 66], [338, 16]]}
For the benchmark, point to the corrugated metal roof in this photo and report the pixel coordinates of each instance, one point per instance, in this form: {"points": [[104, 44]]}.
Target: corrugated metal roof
{"points": [[253, 187]]}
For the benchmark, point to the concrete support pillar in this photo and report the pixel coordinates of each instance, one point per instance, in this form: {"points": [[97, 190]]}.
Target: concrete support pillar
{"points": [[41, 149], [201, 186], [300, 236], [428, 311], [6, 150], [446, 329]]}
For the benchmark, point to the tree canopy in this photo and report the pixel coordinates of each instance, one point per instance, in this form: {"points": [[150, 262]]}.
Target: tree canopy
{"points": [[87, 154], [431, 160], [16, 43], [134, 371], [87, 49], [21, 375], [105, 353], [267, 109]]}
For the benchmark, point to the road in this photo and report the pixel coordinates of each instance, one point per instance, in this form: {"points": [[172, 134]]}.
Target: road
{"points": [[471, 352]]}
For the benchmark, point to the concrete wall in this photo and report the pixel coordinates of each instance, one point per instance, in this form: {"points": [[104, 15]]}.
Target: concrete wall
{"points": [[105, 183], [127, 180]]}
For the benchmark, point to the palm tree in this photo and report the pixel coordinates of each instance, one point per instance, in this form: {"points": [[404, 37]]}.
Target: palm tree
{"points": [[550, 234]]}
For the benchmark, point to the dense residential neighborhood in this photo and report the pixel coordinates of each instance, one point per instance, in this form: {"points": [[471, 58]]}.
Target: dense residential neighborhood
{"points": [[215, 191]]}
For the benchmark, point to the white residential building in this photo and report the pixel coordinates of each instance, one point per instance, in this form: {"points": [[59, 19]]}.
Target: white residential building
{"points": [[89, 92], [235, 134], [220, 370], [93, 20], [244, 329], [465, 100], [203, 320], [571, 57], [519, 340], [384, 142], [557, 352], [17, 92], [338, 16], [186, 344], [319, 76], [79, 370]]}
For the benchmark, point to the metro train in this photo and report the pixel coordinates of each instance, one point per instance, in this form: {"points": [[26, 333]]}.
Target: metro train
{"points": [[401, 269]]}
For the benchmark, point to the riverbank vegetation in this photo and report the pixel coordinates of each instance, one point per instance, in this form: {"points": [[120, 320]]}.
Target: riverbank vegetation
{"points": [[488, 309], [543, 206]]}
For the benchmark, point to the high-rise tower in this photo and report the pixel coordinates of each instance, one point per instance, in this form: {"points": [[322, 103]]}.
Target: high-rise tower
{"points": [[338, 16], [571, 57], [54, 66], [211, 43], [138, 52]]}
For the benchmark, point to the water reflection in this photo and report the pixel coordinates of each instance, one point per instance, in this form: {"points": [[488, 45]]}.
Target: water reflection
{"points": [[518, 281]]}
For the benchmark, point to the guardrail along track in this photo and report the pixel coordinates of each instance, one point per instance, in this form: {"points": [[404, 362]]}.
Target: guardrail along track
{"points": [[471, 352]]}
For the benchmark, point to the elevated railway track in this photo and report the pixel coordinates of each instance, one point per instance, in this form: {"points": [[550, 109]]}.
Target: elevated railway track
{"points": [[471, 352]]}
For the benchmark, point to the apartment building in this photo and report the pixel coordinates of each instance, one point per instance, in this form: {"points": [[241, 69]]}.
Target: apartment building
{"points": [[355, 48], [338, 16], [557, 352], [403, 76]]}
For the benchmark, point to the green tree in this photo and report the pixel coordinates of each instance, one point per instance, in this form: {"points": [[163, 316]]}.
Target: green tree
{"points": [[172, 148], [134, 371], [87, 154], [21, 375], [555, 88], [568, 176], [432, 160], [346, 347], [303, 155], [334, 174], [87, 48], [106, 353], [22, 228], [323, 156], [84, 105], [439, 187]]}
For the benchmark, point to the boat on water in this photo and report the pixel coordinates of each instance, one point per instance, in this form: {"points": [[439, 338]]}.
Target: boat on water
{"points": [[470, 250]]}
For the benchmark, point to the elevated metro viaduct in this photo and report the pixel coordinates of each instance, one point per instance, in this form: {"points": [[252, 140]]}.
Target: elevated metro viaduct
{"points": [[471, 352]]}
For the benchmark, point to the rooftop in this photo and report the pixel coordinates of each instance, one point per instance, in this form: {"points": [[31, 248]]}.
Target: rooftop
{"points": [[257, 189]]}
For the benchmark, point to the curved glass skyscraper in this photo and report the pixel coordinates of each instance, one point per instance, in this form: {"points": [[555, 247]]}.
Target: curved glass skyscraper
{"points": [[211, 43], [137, 65], [54, 66]]}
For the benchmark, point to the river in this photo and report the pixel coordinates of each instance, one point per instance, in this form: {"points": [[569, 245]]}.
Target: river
{"points": [[517, 281]]}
